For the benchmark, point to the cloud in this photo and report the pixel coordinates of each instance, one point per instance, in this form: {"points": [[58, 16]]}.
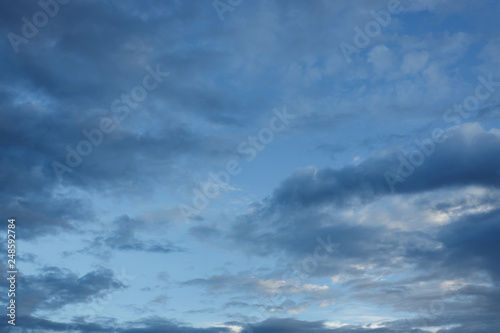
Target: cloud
{"points": [[414, 62], [381, 58], [404, 269], [395, 250], [471, 242], [448, 166], [265, 293], [291, 325], [148, 325], [124, 237], [255, 284], [55, 288]]}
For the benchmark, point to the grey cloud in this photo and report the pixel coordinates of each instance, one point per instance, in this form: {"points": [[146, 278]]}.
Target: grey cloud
{"points": [[124, 238], [54, 288], [463, 159], [148, 325]]}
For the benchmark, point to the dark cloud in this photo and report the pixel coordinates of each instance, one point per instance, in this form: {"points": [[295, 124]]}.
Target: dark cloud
{"points": [[460, 255], [472, 243], [123, 237], [92, 49], [224, 78], [463, 159], [288, 325], [464, 251], [149, 325], [291, 220], [55, 288]]}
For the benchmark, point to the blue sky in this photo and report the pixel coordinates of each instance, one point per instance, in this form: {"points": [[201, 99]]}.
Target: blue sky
{"points": [[252, 166]]}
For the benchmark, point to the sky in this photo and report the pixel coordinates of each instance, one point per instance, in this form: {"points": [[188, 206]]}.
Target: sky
{"points": [[251, 166]]}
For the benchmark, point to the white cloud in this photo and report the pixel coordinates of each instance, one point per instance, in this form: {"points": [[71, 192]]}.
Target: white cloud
{"points": [[381, 58], [414, 62]]}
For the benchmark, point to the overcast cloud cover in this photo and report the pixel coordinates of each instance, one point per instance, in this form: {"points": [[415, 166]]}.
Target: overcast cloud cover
{"points": [[254, 166]]}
